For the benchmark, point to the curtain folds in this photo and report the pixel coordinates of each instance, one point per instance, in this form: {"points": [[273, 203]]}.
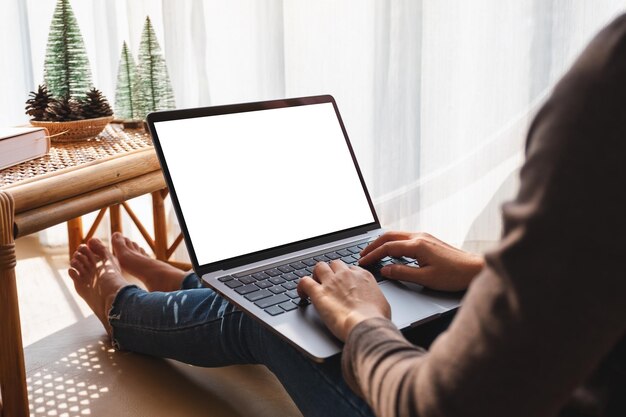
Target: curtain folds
{"points": [[436, 95]]}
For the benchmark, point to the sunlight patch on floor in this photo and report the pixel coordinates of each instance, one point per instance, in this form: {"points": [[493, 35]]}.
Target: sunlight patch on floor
{"points": [[66, 389], [47, 299]]}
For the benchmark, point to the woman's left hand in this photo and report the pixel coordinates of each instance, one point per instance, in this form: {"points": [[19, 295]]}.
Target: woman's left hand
{"points": [[344, 296]]}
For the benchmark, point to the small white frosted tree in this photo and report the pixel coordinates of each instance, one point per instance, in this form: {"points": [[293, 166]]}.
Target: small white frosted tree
{"points": [[128, 94], [156, 88]]}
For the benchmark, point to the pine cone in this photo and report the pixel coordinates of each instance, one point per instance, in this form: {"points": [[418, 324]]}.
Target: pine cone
{"points": [[64, 110], [96, 105], [38, 102]]}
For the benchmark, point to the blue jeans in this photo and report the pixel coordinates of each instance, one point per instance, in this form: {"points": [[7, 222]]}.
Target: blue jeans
{"points": [[197, 326]]}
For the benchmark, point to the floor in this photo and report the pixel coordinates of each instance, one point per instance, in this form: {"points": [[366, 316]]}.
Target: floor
{"points": [[72, 370], [48, 302]]}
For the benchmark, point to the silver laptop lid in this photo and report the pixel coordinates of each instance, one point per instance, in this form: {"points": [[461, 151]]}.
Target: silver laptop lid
{"points": [[258, 180]]}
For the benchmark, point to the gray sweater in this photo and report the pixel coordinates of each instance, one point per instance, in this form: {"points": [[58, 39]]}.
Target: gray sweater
{"points": [[542, 328]]}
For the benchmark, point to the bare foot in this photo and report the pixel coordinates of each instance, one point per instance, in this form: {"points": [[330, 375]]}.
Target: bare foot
{"points": [[97, 278], [156, 275]]}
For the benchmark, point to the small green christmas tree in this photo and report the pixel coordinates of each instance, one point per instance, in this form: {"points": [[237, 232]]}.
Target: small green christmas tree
{"points": [[95, 105], [128, 95], [66, 67], [38, 102], [156, 86]]}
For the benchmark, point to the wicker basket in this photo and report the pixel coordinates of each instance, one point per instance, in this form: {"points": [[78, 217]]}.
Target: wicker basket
{"points": [[74, 131]]}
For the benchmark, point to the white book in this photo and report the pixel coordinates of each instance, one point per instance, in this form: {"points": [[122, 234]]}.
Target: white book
{"points": [[20, 144]]}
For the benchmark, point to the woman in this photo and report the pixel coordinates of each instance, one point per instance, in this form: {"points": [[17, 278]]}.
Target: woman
{"points": [[541, 329]]}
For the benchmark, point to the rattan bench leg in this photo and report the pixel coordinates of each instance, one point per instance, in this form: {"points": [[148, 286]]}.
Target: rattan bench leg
{"points": [[115, 214], [160, 225], [74, 234], [14, 402]]}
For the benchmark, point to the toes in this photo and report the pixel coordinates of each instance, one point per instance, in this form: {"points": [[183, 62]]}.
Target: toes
{"points": [[79, 272], [120, 244], [103, 253], [117, 242], [81, 257], [128, 243], [82, 261], [98, 248], [134, 246], [73, 274], [86, 254], [139, 248]]}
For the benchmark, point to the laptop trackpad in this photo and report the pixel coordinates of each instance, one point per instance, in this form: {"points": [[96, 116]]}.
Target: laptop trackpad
{"points": [[409, 304], [417, 304]]}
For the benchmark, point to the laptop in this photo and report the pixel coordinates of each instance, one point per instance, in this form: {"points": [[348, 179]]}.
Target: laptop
{"points": [[263, 191]]}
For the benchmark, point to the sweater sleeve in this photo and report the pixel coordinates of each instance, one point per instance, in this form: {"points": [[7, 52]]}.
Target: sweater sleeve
{"points": [[379, 342], [549, 305]]}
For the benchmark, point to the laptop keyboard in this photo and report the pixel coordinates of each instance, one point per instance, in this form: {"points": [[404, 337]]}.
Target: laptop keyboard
{"points": [[274, 289]]}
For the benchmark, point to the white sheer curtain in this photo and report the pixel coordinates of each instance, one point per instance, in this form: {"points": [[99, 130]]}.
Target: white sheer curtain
{"points": [[436, 95]]}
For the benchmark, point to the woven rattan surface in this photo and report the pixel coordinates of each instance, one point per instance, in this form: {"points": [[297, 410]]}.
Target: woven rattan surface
{"points": [[112, 142]]}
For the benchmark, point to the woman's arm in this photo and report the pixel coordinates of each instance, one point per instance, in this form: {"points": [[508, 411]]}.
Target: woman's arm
{"points": [[548, 307]]}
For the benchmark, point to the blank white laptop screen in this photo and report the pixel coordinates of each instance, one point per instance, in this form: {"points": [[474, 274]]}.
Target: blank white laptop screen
{"points": [[256, 180]]}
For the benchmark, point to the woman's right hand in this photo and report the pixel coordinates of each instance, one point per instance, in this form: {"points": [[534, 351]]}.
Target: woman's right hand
{"points": [[442, 267]]}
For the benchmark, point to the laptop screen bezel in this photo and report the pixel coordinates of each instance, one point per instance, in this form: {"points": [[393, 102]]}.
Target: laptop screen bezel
{"points": [[287, 248]]}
